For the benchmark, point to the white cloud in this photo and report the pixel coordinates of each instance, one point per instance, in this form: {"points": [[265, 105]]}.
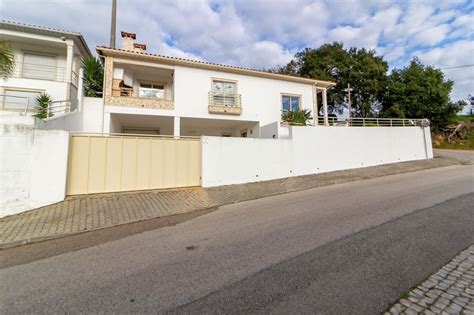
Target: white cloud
{"points": [[264, 33], [453, 55], [431, 36]]}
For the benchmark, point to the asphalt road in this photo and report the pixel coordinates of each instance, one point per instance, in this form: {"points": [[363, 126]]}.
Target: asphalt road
{"points": [[348, 248]]}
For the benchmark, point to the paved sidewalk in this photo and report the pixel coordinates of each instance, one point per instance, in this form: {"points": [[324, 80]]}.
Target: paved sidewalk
{"points": [[449, 291], [91, 212]]}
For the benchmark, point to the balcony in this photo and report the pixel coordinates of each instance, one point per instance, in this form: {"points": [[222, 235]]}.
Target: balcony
{"points": [[221, 103], [141, 97], [42, 72]]}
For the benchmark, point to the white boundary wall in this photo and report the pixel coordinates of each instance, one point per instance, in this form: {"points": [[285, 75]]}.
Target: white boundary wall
{"points": [[33, 167], [310, 150]]}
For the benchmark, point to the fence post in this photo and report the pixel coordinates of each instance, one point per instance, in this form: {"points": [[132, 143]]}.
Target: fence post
{"points": [[403, 122], [363, 122]]}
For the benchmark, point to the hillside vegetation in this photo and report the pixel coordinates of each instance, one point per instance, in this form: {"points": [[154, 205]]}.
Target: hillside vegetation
{"points": [[457, 136]]}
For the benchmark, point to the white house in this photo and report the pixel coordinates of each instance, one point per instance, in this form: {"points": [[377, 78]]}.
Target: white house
{"points": [[33, 162], [155, 94], [47, 61]]}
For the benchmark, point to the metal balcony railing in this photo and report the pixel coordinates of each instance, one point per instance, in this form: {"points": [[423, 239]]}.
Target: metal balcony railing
{"points": [[146, 93], [375, 122], [26, 104], [58, 108], [38, 71], [225, 100], [16, 103]]}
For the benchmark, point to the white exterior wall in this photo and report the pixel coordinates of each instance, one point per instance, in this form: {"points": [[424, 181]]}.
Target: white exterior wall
{"points": [[92, 114], [56, 89], [33, 167], [310, 150], [261, 97]]}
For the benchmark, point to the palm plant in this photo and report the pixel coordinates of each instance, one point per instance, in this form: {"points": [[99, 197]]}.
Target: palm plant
{"points": [[93, 76], [7, 60], [299, 117], [42, 104]]}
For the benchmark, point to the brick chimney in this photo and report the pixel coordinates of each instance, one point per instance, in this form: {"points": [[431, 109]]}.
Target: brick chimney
{"points": [[128, 42], [139, 47]]}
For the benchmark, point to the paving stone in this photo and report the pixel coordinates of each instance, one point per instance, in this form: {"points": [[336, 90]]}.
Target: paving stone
{"points": [[406, 303], [410, 311], [430, 298], [86, 212]]}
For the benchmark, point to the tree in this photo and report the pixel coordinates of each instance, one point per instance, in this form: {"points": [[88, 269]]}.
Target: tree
{"points": [[419, 91], [363, 69], [7, 60], [93, 76]]}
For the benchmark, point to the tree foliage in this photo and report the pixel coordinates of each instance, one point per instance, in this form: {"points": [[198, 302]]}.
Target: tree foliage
{"points": [[7, 60], [93, 76], [419, 91], [363, 69]]}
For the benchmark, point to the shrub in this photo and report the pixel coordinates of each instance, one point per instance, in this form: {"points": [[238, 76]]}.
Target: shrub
{"points": [[43, 101], [298, 117]]}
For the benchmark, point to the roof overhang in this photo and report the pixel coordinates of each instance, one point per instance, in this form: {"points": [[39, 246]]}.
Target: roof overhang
{"points": [[46, 31], [174, 61]]}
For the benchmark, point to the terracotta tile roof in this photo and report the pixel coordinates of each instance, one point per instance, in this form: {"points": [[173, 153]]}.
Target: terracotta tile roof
{"points": [[222, 67]]}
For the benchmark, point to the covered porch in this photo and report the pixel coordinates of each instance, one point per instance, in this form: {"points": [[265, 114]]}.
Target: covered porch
{"points": [[181, 126]]}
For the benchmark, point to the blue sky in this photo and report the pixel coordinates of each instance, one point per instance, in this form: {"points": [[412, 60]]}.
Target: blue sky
{"points": [[262, 34]]}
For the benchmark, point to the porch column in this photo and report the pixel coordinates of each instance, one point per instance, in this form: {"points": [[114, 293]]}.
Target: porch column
{"points": [[315, 106], [69, 62], [177, 127], [325, 108]]}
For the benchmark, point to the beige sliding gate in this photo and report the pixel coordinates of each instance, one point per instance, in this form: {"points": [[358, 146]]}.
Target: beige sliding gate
{"points": [[108, 163]]}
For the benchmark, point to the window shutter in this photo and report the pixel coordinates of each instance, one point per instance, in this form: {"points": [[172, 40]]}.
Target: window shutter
{"points": [[38, 66]]}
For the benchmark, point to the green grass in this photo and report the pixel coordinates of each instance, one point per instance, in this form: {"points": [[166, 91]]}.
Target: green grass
{"points": [[466, 118]]}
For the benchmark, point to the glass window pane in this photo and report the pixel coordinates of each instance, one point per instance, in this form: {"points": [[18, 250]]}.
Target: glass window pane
{"points": [[295, 103], [218, 86], [229, 88], [286, 103]]}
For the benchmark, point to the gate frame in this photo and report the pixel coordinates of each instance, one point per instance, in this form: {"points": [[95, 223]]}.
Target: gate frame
{"points": [[122, 136]]}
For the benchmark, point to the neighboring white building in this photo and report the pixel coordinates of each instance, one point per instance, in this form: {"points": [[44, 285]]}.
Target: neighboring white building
{"points": [[155, 94], [47, 60]]}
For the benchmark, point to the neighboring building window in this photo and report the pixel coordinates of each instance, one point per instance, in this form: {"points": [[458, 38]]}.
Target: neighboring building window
{"points": [[290, 102], [39, 66], [152, 90], [224, 92], [18, 100]]}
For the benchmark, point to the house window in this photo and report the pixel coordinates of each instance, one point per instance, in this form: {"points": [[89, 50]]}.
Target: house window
{"points": [[151, 90], [18, 99], [40, 66], [224, 92], [290, 102]]}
